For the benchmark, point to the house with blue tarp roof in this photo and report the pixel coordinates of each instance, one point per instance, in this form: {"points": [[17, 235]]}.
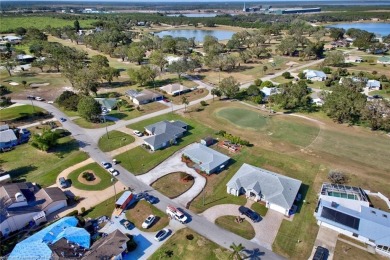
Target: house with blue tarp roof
{"points": [[37, 245]]}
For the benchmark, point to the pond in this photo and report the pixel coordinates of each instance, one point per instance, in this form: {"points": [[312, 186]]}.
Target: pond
{"points": [[377, 28], [197, 33]]}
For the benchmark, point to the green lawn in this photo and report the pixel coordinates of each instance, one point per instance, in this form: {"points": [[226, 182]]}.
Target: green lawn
{"points": [[89, 125], [284, 128], [383, 92], [139, 211], [259, 208], [115, 140], [18, 112], [139, 160], [243, 229], [171, 185], [105, 177], [30, 164], [8, 24], [187, 244], [132, 112], [104, 208]]}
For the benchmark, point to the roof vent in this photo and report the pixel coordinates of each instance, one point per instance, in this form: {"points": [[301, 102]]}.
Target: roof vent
{"points": [[372, 211], [20, 197], [384, 215], [334, 204]]}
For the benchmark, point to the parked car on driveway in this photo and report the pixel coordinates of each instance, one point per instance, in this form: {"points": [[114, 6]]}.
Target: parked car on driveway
{"points": [[63, 182], [62, 119], [39, 99], [138, 133], [113, 172], [106, 165], [163, 233], [249, 213], [321, 253], [127, 224], [148, 221], [151, 199]]}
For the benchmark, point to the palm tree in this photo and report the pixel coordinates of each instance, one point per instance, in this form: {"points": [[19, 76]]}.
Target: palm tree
{"points": [[185, 102], [236, 254]]}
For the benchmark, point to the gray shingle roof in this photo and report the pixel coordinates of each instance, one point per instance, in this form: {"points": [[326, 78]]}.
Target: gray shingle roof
{"points": [[166, 127], [159, 140], [7, 136], [276, 189], [209, 158], [4, 127]]}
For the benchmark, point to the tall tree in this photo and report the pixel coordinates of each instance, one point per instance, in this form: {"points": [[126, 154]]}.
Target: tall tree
{"points": [[185, 102], [158, 58], [334, 58], [229, 87], [44, 141], [88, 108], [136, 53], [237, 249], [293, 96], [76, 25]]}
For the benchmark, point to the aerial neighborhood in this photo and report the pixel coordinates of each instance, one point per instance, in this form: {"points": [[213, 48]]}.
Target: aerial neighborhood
{"points": [[145, 130]]}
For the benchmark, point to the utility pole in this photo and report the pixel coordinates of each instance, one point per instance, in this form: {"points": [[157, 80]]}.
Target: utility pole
{"points": [[104, 116]]}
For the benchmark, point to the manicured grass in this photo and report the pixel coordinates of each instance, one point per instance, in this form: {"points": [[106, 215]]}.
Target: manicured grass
{"points": [[140, 160], [132, 112], [30, 164], [16, 112], [141, 210], [281, 79], [259, 208], [383, 92], [346, 251], [115, 140], [171, 185], [197, 248], [105, 177], [243, 229], [89, 125], [104, 208], [40, 22], [276, 127]]}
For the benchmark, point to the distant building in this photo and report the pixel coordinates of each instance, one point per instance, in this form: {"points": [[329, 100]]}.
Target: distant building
{"points": [[269, 91], [12, 39], [347, 210], [108, 103], [353, 59], [12, 137], [143, 97], [297, 10], [23, 58], [164, 133], [175, 89], [315, 75], [373, 84]]}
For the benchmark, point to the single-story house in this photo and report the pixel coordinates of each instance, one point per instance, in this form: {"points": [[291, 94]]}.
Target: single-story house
{"points": [[269, 91], [207, 159], [373, 84], [315, 75], [164, 133], [316, 99], [8, 139], [383, 60], [278, 191], [353, 59], [175, 89], [12, 39], [23, 202], [347, 210], [143, 97], [64, 232], [112, 246], [25, 58], [108, 103], [171, 59]]}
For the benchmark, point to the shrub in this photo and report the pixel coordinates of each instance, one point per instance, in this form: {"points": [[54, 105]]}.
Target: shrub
{"points": [[309, 81], [203, 103], [337, 177], [131, 244], [258, 82], [190, 236], [88, 176], [81, 221], [327, 70], [374, 72], [73, 213], [286, 75], [82, 210], [328, 82], [301, 75]]}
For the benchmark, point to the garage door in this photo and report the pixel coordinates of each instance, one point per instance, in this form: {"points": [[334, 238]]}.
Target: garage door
{"points": [[56, 206]]}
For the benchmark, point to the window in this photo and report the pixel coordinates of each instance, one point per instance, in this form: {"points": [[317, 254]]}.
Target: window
{"points": [[371, 240]]}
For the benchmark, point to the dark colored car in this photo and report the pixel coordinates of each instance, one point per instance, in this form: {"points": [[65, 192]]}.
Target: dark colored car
{"points": [[321, 253], [151, 199], [249, 213], [31, 97]]}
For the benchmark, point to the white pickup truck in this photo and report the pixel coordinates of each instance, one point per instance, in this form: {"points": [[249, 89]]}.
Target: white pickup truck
{"points": [[176, 214]]}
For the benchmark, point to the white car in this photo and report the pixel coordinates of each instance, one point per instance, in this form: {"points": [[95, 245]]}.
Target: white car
{"points": [[39, 99], [113, 172], [148, 221], [163, 233], [177, 214], [138, 133]]}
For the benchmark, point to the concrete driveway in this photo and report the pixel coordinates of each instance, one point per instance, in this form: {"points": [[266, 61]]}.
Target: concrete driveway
{"points": [[265, 230], [171, 165], [327, 238]]}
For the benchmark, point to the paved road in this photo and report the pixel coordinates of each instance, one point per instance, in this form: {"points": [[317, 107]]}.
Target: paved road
{"points": [[197, 223]]}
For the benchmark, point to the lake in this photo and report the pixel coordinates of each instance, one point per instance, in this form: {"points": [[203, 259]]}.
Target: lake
{"points": [[377, 28], [197, 33]]}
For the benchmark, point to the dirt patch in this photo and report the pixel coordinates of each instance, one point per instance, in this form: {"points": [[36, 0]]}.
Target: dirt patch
{"points": [[84, 181]]}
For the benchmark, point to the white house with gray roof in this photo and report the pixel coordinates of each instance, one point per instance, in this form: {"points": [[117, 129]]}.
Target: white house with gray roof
{"points": [[315, 75], [206, 159], [276, 190], [164, 133]]}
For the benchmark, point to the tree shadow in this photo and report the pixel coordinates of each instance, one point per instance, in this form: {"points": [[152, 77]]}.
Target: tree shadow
{"points": [[119, 115], [21, 172], [253, 254]]}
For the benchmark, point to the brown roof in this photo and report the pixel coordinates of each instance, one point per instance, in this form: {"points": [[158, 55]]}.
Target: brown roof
{"points": [[49, 195], [108, 247]]}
